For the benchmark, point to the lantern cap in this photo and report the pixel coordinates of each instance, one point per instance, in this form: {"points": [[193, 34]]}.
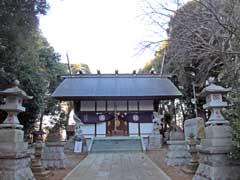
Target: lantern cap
{"points": [[213, 88], [15, 91]]}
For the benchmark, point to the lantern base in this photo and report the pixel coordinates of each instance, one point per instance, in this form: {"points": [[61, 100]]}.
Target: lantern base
{"points": [[15, 168], [12, 126]]}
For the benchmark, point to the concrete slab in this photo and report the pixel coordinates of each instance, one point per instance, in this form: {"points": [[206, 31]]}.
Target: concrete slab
{"points": [[117, 166]]}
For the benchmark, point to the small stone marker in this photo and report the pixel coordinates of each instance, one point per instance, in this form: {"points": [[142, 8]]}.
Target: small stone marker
{"points": [[194, 127], [14, 155], [53, 154], [177, 154], [191, 168], [155, 139]]}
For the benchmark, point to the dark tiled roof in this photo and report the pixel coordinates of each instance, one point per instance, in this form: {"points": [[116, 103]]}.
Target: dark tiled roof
{"points": [[112, 86]]}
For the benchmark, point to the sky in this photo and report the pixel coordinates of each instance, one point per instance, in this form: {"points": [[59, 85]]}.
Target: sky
{"points": [[105, 34]]}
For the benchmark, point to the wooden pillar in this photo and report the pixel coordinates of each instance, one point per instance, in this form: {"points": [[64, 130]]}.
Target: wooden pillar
{"points": [[95, 129], [139, 125], [127, 121], [95, 125], [95, 106], [106, 121], [106, 106], [80, 106]]}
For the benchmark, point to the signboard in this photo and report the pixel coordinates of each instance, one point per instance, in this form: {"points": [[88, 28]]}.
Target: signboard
{"points": [[78, 147]]}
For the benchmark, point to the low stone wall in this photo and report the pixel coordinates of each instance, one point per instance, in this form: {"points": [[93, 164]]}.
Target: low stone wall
{"points": [[177, 154]]}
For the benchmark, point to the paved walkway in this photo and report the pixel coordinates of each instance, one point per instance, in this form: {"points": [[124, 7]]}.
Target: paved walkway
{"points": [[117, 166]]}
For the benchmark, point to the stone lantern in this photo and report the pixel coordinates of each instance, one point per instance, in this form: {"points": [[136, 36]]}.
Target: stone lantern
{"points": [[218, 131], [214, 103], [13, 105], [14, 155], [215, 147]]}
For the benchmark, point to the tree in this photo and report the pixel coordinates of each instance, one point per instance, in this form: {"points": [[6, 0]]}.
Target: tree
{"points": [[76, 69], [26, 55], [203, 41], [84, 68]]}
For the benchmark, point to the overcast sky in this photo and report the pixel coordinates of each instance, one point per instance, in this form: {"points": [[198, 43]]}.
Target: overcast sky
{"points": [[105, 34]]}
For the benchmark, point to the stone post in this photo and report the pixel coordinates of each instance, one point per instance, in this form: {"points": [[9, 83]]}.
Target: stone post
{"points": [[79, 138], [155, 139], [14, 154], [38, 170], [215, 147], [191, 168], [177, 154], [53, 154]]}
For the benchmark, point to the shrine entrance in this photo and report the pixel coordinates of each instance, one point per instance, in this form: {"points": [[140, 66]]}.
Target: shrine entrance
{"points": [[117, 127]]}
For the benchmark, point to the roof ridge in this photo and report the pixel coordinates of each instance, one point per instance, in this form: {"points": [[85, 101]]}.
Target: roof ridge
{"points": [[116, 75]]}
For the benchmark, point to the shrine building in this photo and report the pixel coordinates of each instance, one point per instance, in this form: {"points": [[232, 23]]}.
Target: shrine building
{"points": [[116, 104]]}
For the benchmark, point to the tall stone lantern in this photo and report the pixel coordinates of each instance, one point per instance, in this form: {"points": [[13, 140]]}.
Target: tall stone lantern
{"points": [[215, 147], [14, 155]]}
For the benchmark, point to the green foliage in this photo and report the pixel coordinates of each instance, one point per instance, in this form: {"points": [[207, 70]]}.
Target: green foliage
{"points": [[26, 55], [80, 67], [233, 115], [147, 68], [204, 41], [156, 63]]}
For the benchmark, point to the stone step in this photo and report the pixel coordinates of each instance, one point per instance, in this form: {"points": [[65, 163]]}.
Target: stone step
{"points": [[120, 144], [117, 151], [114, 148], [116, 144]]}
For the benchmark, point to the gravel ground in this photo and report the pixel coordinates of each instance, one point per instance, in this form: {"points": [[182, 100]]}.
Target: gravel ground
{"points": [[175, 173], [74, 159]]}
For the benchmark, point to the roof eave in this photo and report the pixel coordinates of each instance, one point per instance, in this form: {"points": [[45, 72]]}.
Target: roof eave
{"points": [[72, 98]]}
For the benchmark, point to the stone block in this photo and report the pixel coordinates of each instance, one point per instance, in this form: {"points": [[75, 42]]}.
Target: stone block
{"points": [[9, 148], [215, 163], [223, 131], [217, 142], [177, 154], [53, 156], [155, 142], [177, 148], [194, 126], [209, 172], [16, 169], [11, 135], [176, 136], [175, 142]]}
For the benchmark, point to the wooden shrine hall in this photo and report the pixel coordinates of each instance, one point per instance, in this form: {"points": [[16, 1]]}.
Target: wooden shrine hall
{"points": [[116, 104]]}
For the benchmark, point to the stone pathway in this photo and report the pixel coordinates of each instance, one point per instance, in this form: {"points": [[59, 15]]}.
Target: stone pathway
{"points": [[117, 166]]}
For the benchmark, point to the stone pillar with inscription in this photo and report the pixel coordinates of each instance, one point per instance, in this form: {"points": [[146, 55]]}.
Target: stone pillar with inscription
{"points": [[215, 147], [53, 153], [14, 154], [155, 139], [177, 154]]}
